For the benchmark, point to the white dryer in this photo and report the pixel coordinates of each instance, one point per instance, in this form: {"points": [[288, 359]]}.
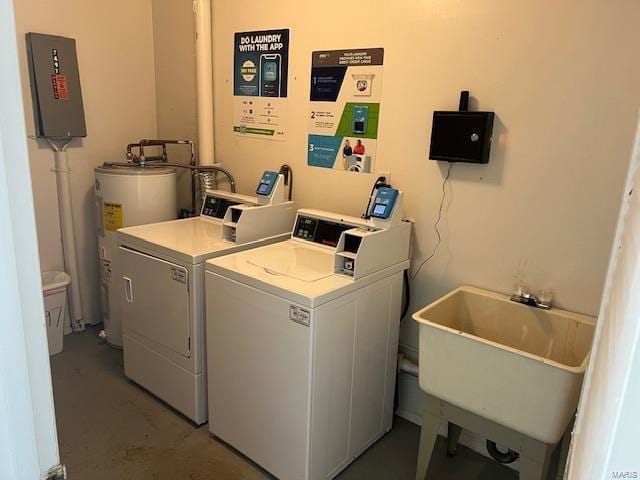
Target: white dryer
{"points": [[162, 285], [303, 338]]}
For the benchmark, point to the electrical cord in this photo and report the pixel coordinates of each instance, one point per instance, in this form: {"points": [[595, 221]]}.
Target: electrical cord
{"points": [[407, 294], [435, 225], [380, 182], [288, 178]]}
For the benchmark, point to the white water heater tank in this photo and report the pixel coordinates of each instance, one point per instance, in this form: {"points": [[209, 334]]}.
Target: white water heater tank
{"points": [[126, 196]]}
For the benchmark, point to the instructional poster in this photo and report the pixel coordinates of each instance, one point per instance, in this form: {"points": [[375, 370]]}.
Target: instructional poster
{"points": [[344, 110], [261, 66]]}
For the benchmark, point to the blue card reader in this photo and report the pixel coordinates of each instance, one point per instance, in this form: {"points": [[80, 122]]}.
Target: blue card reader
{"points": [[384, 202], [267, 182]]}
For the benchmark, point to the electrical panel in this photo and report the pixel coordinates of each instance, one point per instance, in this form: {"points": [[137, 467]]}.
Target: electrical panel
{"points": [[55, 86]]}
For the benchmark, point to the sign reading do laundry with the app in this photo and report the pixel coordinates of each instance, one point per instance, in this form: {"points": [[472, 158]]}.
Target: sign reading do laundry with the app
{"points": [[261, 66]]}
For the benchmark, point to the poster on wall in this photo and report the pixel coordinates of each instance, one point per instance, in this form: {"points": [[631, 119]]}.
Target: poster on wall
{"points": [[344, 109], [260, 74]]}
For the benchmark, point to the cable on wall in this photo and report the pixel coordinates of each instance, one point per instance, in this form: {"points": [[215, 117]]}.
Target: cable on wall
{"points": [[435, 225]]}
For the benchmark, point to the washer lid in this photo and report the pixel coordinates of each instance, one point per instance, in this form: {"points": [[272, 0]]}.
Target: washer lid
{"points": [[134, 170], [303, 274], [295, 261], [299, 273]]}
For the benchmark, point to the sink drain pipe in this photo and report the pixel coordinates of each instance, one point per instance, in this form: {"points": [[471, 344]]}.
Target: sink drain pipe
{"points": [[498, 455], [407, 366]]}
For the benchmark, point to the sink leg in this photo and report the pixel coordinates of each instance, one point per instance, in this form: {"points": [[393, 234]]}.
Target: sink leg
{"points": [[554, 464], [453, 435], [532, 470], [428, 435], [559, 457]]}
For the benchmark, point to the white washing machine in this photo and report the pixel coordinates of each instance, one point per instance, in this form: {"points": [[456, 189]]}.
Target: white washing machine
{"points": [[303, 338], [162, 285], [359, 163]]}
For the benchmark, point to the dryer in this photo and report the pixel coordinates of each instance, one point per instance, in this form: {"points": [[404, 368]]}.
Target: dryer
{"points": [[162, 287], [303, 338]]}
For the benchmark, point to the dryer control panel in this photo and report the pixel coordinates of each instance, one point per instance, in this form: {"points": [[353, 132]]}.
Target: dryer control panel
{"points": [[215, 207]]}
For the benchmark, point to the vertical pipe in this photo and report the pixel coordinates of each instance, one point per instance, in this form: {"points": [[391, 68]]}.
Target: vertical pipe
{"points": [[68, 233], [204, 81]]}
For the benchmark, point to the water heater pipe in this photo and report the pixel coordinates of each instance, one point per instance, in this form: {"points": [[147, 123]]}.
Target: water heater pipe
{"points": [[204, 81], [66, 226]]}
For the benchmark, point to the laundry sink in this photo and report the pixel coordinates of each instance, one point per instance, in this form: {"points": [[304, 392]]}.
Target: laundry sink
{"points": [[516, 365]]}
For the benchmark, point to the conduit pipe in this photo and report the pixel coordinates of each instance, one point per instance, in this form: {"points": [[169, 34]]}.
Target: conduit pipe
{"points": [[65, 208], [204, 81], [407, 366]]}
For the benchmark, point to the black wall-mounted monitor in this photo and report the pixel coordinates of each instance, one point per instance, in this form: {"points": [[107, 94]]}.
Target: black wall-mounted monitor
{"points": [[461, 136]]}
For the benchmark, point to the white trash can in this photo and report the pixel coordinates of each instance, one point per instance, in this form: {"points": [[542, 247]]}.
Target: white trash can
{"points": [[54, 290]]}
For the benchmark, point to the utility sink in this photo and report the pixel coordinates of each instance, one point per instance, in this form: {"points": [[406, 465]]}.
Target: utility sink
{"points": [[516, 365]]}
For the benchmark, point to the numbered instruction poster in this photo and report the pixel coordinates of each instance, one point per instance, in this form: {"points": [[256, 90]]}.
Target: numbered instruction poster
{"points": [[344, 110], [261, 65]]}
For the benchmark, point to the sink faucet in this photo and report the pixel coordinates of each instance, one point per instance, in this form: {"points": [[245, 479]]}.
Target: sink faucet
{"points": [[526, 298]]}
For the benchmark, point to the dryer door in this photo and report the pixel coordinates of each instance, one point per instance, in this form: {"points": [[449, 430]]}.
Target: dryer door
{"points": [[156, 300]]}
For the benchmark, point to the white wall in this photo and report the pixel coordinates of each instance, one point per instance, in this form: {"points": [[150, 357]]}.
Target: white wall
{"points": [[115, 55], [558, 75]]}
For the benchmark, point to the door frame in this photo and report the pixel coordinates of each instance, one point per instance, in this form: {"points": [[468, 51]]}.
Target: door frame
{"points": [[28, 435], [607, 424]]}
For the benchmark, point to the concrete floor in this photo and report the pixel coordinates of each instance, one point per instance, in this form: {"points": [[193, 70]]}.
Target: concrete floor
{"points": [[109, 428]]}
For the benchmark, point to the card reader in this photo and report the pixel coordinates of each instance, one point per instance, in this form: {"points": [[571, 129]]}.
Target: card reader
{"points": [[383, 203], [360, 118], [267, 182]]}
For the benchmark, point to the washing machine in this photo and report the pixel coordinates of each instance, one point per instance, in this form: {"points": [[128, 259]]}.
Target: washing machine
{"points": [[359, 163], [302, 340], [162, 287]]}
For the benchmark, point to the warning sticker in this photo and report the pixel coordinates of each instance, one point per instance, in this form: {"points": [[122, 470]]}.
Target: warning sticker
{"points": [[300, 315], [60, 87], [106, 271], [112, 216]]}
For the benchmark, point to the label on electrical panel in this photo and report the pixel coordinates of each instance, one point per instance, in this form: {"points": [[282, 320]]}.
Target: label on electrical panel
{"points": [[300, 315], [60, 87], [112, 216]]}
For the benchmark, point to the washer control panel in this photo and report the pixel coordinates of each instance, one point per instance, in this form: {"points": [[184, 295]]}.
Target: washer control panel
{"points": [[317, 230]]}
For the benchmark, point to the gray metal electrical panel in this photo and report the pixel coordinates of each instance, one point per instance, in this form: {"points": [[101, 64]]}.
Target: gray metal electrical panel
{"points": [[55, 86]]}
